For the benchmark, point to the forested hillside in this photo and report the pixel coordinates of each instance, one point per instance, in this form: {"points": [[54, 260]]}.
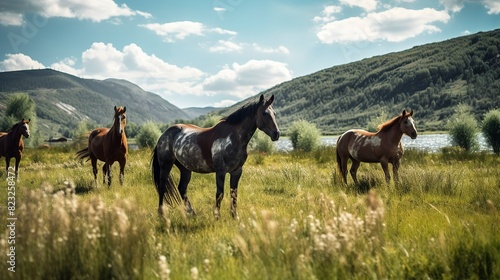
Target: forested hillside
{"points": [[430, 79], [63, 100]]}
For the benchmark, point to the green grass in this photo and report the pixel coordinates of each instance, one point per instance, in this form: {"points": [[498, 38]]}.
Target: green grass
{"points": [[296, 221]]}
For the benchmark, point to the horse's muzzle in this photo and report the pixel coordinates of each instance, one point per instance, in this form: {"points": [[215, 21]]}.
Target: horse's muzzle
{"points": [[413, 135], [275, 136]]}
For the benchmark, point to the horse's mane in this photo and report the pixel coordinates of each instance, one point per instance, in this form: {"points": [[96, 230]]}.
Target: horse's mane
{"points": [[242, 113], [14, 126], [388, 124]]}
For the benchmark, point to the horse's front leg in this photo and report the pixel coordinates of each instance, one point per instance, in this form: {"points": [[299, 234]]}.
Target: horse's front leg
{"points": [[122, 170], [107, 172], [395, 170], [220, 177], [385, 167], [18, 160], [233, 182]]}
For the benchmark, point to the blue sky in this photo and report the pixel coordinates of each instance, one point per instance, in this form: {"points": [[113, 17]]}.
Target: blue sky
{"points": [[216, 53]]}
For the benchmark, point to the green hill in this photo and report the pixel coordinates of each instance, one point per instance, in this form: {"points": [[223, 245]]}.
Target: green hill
{"points": [[430, 79], [63, 100]]}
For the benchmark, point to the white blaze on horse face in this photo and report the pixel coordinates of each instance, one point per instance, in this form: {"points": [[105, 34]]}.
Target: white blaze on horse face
{"points": [[27, 129]]}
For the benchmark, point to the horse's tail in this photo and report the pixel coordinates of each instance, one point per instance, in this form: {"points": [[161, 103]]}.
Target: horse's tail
{"points": [[83, 153], [168, 190], [339, 160]]}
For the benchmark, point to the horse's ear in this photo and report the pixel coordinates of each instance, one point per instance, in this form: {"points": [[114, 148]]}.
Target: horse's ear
{"points": [[411, 113], [124, 109], [115, 108], [29, 120], [261, 100], [404, 113], [271, 100]]}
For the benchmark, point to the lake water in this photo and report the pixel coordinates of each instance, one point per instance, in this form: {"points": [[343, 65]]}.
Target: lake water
{"points": [[427, 142]]}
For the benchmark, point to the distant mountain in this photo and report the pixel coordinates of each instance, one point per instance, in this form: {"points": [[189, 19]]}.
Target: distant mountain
{"points": [[195, 112], [64, 100], [430, 79]]}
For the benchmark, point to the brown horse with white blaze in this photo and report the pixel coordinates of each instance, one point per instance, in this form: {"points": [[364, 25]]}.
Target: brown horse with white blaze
{"points": [[220, 149], [383, 146], [108, 145], [12, 144]]}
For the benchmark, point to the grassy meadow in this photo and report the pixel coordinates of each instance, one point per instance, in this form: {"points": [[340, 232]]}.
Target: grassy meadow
{"points": [[296, 221]]}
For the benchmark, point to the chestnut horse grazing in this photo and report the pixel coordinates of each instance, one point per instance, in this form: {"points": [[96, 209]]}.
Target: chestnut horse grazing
{"points": [[221, 149], [383, 146], [12, 145], [108, 145]]}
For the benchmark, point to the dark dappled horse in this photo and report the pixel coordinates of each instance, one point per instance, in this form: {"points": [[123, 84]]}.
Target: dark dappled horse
{"points": [[108, 145], [221, 149], [12, 145], [383, 146]]}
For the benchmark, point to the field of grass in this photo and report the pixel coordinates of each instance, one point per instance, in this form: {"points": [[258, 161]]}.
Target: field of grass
{"points": [[296, 221]]}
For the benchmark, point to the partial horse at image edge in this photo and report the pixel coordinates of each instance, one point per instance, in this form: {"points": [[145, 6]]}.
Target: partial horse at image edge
{"points": [[219, 149], [383, 146], [12, 144], [108, 145]]}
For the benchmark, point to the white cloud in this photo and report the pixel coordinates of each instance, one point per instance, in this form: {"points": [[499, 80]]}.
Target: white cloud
{"points": [[394, 25], [493, 6], [224, 103], [224, 46], [247, 79], [453, 5], [179, 30], [280, 49], [9, 18], [102, 61], [367, 5], [94, 10], [327, 14], [19, 61]]}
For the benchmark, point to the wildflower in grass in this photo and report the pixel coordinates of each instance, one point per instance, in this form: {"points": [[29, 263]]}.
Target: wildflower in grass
{"points": [[194, 273], [163, 267]]}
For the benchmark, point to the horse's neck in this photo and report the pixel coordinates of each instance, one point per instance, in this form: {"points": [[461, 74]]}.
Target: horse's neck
{"points": [[247, 129], [14, 136], [393, 135], [115, 132]]}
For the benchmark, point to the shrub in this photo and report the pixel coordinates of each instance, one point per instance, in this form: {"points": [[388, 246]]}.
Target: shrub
{"points": [[148, 135], [491, 130], [260, 142], [462, 128], [304, 135], [376, 121]]}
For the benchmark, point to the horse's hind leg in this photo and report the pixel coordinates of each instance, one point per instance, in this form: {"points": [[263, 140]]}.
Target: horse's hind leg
{"points": [[354, 170], [93, 161], [343, 167], [183, 184], [233, 182]]}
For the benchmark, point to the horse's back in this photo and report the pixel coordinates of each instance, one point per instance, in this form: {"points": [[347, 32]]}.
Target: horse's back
{"points": [[357, 144]]}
